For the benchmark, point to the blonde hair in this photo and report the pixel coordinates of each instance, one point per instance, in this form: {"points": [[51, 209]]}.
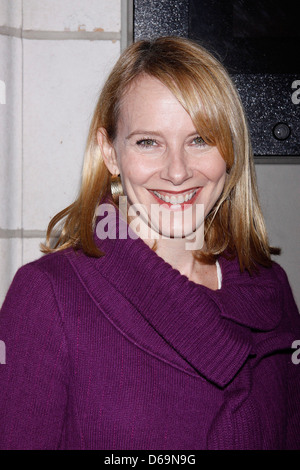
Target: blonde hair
{"points": [[235, 226]]}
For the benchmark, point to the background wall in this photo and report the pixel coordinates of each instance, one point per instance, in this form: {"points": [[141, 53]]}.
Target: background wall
{"points": [[279, 192], [54, 58]]}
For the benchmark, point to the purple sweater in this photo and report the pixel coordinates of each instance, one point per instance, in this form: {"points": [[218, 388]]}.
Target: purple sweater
{"points": [[124, 352]]}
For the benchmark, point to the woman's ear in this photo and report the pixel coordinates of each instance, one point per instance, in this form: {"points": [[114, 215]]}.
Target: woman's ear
{"points": [[108, 152]]}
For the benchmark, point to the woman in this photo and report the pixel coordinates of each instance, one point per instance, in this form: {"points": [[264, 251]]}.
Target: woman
{"points": [[141, 334]]}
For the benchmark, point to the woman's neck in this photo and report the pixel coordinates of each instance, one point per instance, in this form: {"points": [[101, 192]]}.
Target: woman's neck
{"points": [[175, 252], [178, 252]]}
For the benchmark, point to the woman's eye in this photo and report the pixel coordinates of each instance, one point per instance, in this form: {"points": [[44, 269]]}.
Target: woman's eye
{"points": [[199, 141], [146, 143]]}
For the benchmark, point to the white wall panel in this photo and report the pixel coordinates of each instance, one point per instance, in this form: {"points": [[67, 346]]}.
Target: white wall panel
{"points": [[11, 13], [72, 15], [61, 84], [11, 260], [54, 58], [31, 249], [279, 191], [11, 133]]}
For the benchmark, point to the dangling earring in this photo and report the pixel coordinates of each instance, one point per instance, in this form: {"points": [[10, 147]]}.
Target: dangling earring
{"points": [[116, 187]]}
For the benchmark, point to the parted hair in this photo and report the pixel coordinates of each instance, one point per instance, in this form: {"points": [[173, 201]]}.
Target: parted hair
{"points": [[235, 226]]}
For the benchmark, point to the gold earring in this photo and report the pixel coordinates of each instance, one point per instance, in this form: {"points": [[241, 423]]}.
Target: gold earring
{"points": [[116, 187]]}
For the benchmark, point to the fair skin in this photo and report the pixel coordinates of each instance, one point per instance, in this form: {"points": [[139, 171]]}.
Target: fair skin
{"points": [[163, 161]]}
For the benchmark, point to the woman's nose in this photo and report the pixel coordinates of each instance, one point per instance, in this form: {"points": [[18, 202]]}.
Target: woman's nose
{"points": [[176, 167]]}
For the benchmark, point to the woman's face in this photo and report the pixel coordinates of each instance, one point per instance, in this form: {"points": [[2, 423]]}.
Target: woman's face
{"points": [[164, 163]]}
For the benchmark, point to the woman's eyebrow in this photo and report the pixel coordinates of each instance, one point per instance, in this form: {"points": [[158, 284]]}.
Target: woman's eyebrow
{"points": [[143, 132], [154, 133]]}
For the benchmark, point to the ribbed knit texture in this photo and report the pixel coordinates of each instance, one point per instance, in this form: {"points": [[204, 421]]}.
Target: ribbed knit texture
{"points": [[123, 352]]}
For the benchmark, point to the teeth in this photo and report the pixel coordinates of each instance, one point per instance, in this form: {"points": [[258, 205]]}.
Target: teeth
{"points": [[176, 199]]}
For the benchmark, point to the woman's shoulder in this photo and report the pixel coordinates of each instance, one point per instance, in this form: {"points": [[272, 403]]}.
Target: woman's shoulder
{"points": [[42, 275], [279, 272], [283, 285], [277, 276], [274, 273], [280, 278], [51, 264]]}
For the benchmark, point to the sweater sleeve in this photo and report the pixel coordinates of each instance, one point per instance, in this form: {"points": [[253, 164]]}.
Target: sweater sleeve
{"points": [[293, 417], [34, 377], [293, 434]]}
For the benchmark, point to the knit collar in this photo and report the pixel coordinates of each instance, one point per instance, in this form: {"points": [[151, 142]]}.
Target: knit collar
{"points": [[203, 332]]}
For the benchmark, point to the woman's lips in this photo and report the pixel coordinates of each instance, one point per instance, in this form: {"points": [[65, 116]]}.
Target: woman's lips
{"points": [[177, 200]]}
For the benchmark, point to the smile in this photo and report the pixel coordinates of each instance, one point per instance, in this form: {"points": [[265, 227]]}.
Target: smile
{"points": [[173, 199]]}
